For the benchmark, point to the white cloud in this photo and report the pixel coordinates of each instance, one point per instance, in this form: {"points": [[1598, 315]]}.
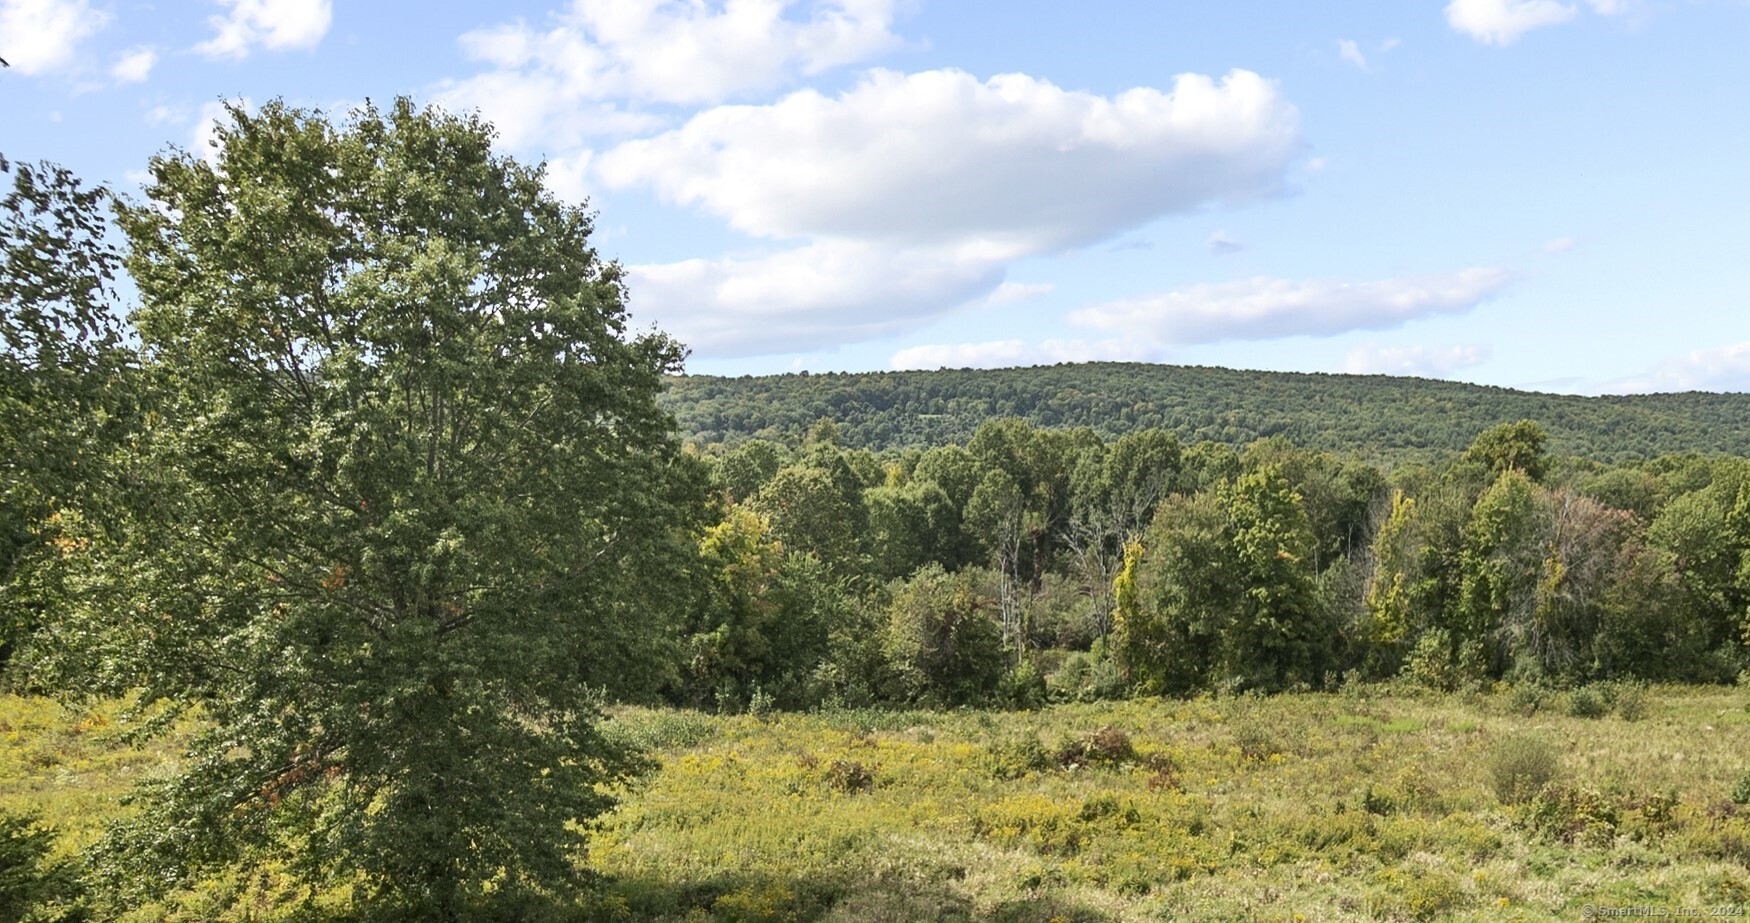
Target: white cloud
{"points": [[535, 110], [551, 85], [1418, 361], [999, 168], [1009, 353], [134, 65], [1221, 244], [1390, 43], [1351, 52], [203, 140], [1502, 22], [1726, 368], [272, 24], [38, 36], [1560, 245], [166, 115], [909, 195], [1264, 308], [1012, 292], [568, 176], [821, 294]]}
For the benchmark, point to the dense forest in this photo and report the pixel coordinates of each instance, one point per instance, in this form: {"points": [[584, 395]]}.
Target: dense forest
{"points": [[1030, 563], [374, 499], [1374, 417]]}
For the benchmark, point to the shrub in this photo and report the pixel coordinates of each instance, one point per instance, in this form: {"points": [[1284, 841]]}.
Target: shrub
{"points": [[1014, 757], [1022, 687], [1575, 815], [1414, 892], [1085, 677], [1527, 698], [1631, 701], [1587, 702], [1163, 771], [1255, 741], [1741, 791], [1106, 746], [1520, 768], [33, 888], [850, 776]]}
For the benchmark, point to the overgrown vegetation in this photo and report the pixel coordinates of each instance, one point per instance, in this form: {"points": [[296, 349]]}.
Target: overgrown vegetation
{"points": [[369, 511], [1376, 802], [1375, 417]]}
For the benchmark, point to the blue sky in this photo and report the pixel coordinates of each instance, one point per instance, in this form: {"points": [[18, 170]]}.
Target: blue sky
{"points": [[1545, 194]]}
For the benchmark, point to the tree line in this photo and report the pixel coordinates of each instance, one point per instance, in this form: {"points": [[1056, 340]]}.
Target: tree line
{"points": [[1387, 420], [1033, 564]]}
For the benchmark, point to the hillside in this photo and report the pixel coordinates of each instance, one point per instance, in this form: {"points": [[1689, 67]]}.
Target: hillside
{"points": [[1372, 416]]}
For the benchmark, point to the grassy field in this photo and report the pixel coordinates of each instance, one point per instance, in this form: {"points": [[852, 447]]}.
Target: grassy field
{"points": [[1364, 805]]}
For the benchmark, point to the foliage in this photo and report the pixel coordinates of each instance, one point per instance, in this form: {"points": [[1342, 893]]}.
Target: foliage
{"points": [[741, 821], [1586, 702], [1380, 418], [402, 506], [64, 374], [35, 888], [1521, 767], [1516, 446], [941, 642]]}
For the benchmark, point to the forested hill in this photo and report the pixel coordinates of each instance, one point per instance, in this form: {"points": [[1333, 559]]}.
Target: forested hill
{"points": [[1373, 416]]}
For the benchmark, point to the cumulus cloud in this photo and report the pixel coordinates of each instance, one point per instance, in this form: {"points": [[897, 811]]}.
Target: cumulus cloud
{"points": [[908, 195], [1264, 308], [1726, 368], [1418, 361], [1351, 52], [999, 169], [1502, 22], [134, 65], [551, 84], [276, 25], [535, 110], [1009, 353], [38, 36], [822, 294]]}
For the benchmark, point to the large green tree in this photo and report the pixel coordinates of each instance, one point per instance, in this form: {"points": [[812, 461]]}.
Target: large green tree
{"points": [[63, 371], [403, 498]]}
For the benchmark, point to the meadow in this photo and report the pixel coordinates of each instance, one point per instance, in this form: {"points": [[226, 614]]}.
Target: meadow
{"points": [[1372, 803]]}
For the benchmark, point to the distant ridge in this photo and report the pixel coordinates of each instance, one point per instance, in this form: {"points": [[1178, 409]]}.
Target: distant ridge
{"points": [[1377, 417]]}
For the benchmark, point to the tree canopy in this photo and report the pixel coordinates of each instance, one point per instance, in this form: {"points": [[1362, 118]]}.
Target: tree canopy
{"points": [[400, 511]]}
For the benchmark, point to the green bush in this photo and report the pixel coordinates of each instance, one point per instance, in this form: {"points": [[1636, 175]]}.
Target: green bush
{"points": [[1575, 815], [1520, 768], [1022, 687], [1085, 677], [1414, 892], [1014, 757], [1741, 791], [1527, 698], [34, 889], [1587, 702], [1631, 701], [1255, 741]]}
